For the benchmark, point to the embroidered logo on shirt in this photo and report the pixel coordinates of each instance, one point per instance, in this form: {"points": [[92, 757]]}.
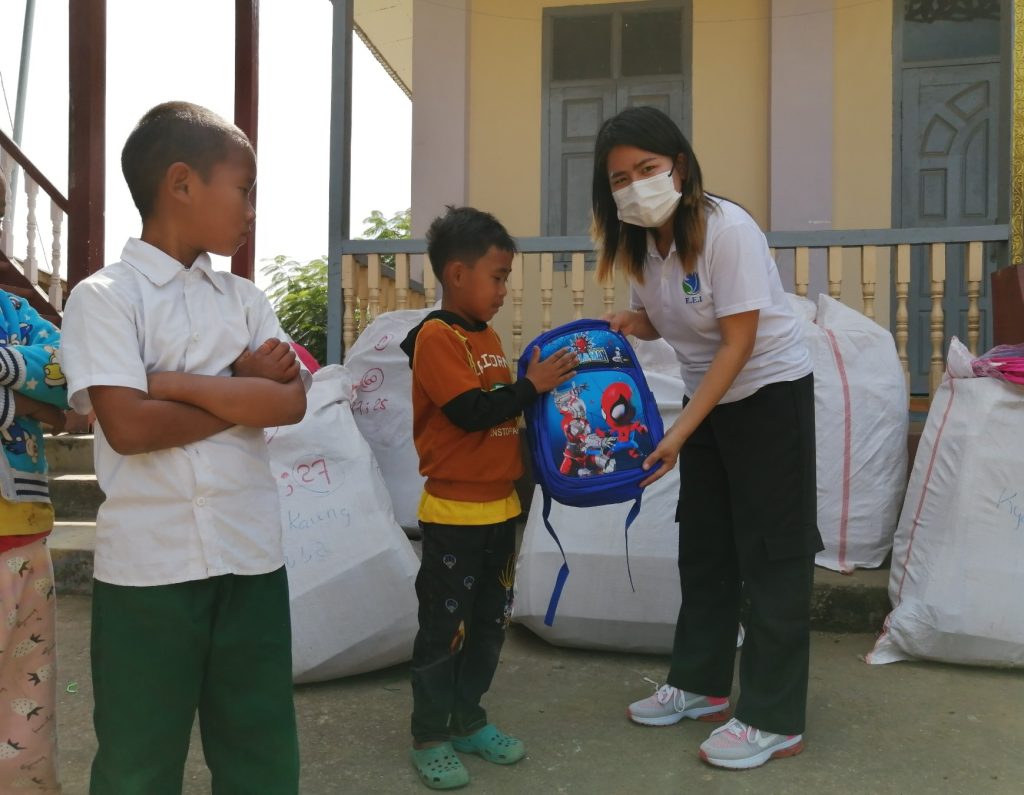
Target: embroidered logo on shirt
{"points": [[691, 287]]}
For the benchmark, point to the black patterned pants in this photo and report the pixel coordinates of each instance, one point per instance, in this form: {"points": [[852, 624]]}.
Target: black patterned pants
{"points": [[464, 588]]}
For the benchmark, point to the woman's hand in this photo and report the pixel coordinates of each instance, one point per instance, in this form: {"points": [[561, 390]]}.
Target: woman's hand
{"points": [[634, 323], [664, 455]]}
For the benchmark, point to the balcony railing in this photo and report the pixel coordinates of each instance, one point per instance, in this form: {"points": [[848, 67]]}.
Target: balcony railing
{"points": [[24, 252], [552, 282]]}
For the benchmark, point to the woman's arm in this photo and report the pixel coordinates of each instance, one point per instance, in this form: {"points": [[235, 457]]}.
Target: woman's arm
{"points": [[739, 332]]}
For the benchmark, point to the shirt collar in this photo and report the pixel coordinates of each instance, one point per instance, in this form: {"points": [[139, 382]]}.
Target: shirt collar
{"points": [[159, 267], [652, 249]]}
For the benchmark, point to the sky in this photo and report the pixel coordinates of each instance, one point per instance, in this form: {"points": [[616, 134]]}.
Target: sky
{"points": [[185, 50]]}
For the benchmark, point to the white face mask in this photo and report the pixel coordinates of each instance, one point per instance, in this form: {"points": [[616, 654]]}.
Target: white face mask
{"points": [[648, 202]]}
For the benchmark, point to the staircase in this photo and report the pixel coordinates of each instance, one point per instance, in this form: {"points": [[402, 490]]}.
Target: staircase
{"points": [[76, 497], [21, 274]]}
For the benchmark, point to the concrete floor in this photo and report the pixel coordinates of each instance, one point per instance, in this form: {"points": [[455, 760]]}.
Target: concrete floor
{"points": [[902, 728]]}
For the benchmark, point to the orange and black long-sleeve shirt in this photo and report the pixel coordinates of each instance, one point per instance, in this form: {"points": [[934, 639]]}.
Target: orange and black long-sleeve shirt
{"points": [[465, 414]]}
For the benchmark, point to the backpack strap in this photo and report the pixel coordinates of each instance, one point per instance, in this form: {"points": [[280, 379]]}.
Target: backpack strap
{"points": [[563, 573], [633, 513]]}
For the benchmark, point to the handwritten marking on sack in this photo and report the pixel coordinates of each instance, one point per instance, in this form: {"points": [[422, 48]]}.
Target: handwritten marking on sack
{"points": [[311, 473], [372, 380], [382, 343], [317, 551], [1010, 504], [307, 520], [364, 407]]}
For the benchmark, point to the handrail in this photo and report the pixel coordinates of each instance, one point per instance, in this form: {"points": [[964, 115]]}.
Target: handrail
{"points": [[913, 236], [36, 175], [824, 238]]}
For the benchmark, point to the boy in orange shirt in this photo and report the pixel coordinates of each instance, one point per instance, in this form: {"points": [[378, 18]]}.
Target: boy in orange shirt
{"points": [[465, 426]]}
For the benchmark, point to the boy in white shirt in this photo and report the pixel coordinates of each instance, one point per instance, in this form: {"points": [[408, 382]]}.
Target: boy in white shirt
{"points": [[184, 367]]}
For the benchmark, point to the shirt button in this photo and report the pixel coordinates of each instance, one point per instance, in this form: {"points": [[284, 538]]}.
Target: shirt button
{"points": [[200, 501], [196, 336]]}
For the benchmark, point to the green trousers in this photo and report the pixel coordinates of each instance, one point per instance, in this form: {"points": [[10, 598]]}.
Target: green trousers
{"points": [[220, 646]]}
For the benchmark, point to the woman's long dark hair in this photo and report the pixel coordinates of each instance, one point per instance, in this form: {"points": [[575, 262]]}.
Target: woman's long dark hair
{"points": [[626, 244]]}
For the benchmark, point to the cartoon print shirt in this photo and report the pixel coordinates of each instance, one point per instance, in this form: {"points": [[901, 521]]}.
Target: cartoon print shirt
{"points": [[450, 361], [735, 273], [28, 365]]}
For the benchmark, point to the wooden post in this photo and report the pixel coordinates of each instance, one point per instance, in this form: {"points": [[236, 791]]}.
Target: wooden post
{"points": [[974, 273], [87, 92], [938, 272], [802, 270], [247, 100], [515, 286], [902, 311], [547, 285], [578, 283], [868, 278]]}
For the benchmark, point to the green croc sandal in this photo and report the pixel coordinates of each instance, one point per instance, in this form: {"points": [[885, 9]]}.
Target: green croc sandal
{"points": [[492, 745], [439, 767]]}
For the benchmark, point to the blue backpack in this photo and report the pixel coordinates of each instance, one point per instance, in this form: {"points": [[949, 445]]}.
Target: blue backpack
{"points": [[589, 437]]}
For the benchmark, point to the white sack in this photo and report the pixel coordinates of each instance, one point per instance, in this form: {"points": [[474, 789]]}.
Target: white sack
{"points": [[351, 570], [383, 406], [860, 414], [657, 356], [598, 610], [957, 578]]}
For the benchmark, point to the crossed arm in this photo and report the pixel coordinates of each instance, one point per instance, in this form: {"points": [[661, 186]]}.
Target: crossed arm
{"points": [[182, 408]]}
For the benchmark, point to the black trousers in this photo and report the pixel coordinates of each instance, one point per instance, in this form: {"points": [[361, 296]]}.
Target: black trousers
{"points": [[464, 588], [748, 521]]}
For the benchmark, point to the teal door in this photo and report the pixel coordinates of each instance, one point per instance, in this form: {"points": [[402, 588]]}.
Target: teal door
{"points": [[948, 156]]}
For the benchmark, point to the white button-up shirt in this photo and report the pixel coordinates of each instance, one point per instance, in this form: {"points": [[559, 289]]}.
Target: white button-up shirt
{"points": [[190, 512]]}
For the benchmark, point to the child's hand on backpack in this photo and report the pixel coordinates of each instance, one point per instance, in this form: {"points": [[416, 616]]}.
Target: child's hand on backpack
{"points": [[274, 360], [558, 368]]}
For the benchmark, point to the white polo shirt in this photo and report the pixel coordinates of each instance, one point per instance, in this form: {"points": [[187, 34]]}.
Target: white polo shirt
{"points": [[735, 273], [184, 513]]}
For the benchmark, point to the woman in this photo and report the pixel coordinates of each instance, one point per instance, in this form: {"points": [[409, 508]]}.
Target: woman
{"points": [[702, 278]]}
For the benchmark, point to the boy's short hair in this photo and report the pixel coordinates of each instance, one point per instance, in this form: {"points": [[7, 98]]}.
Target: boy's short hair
{"points": [[466, 234], [175, 132]]}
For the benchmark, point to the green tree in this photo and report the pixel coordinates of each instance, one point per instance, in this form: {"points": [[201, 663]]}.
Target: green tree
{"points": [[397, 227], [298, 290]]}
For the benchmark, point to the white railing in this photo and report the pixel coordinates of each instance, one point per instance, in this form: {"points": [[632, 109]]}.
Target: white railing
{"points": [[24, 243], [551, 281]]}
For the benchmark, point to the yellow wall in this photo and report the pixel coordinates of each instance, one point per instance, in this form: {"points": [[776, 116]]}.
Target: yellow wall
{"points": [[862, 136], [505, 109], [731, 107], [731, 74], [730, 98], [862, 114]]}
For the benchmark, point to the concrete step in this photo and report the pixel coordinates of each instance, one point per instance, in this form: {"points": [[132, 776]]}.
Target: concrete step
{"points": [[855, 602], [72, 545], [69, 454], [76, 497]]}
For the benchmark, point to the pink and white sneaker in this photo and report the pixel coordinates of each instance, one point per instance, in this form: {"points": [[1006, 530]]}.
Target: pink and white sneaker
{"points": [[670, 705], [738, 746]]}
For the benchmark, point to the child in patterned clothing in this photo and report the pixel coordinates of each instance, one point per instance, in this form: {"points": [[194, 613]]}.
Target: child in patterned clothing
{"points": [[32, 390]]}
